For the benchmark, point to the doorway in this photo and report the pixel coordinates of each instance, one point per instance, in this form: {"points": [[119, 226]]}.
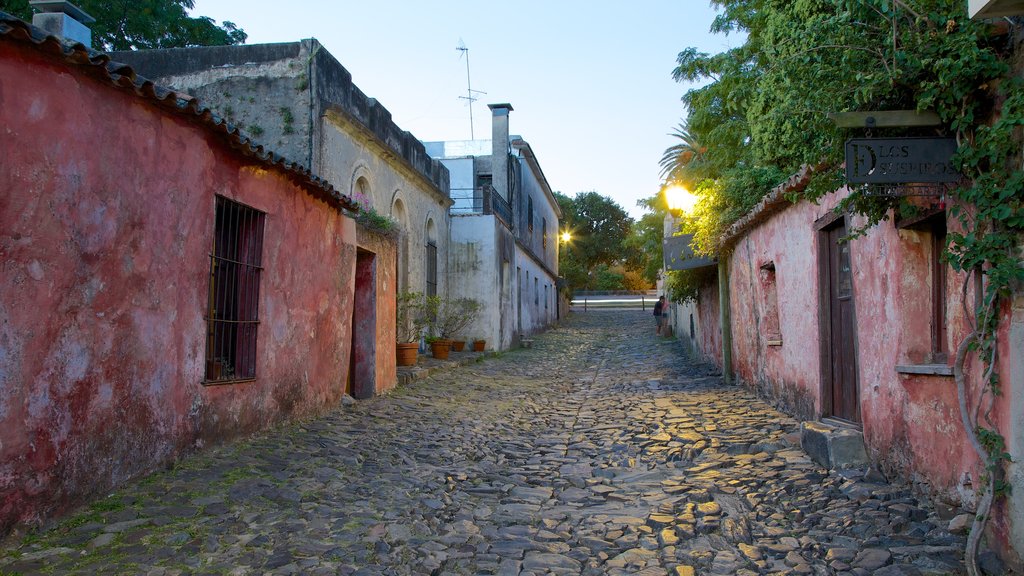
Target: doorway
{"points": [[362, 373], [840, 398]]}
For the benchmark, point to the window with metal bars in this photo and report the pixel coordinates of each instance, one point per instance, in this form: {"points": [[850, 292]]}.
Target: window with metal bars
{"points": [[431, 269], [232, 319]]}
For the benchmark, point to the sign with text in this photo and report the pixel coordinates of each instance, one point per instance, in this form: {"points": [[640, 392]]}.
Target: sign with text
{"points": [[900, 160]]}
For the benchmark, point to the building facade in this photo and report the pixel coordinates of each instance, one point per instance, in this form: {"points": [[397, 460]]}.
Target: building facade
{"points": [[864, 332], [300, 100], [504, 233], [167, 282]]}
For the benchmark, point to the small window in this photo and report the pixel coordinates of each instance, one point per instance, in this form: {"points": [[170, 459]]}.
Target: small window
{"points": [[769, 306], [546, 296], [431, 268], [544, 233], [233, 312], [536, 292], [529, 213]]}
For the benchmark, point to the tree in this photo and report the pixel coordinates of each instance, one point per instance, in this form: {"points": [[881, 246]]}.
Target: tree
{"points": [[599, 227], [643, 246], [683, 159], [143, 24]]}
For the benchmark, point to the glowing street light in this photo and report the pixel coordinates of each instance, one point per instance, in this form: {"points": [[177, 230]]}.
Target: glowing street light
{"points": [[680, 200]]}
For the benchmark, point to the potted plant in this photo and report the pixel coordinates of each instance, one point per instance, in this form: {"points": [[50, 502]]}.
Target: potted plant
{"points": [[432, 317], [456, 314], [479, 344], [409, 327]]}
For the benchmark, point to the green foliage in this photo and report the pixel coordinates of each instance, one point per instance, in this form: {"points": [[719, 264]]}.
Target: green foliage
{"points": [[287, 120], [599, 227], [684, 286], [643, 248], [606, 278], [142, 24], [447, 317], [373, 220], [408, 320]]}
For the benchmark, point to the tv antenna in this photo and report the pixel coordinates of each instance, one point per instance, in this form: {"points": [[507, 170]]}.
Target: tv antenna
{"points": [[470, 96]]}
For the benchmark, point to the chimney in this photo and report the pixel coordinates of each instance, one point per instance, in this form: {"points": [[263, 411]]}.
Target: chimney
{"points": [[500, 177], [63, 19]]}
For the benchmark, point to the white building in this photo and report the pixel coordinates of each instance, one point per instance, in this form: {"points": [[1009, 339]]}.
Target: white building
{"points": [[503, 249]]}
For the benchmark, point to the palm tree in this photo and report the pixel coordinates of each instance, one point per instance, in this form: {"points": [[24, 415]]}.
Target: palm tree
{"points": [[678, 157]]}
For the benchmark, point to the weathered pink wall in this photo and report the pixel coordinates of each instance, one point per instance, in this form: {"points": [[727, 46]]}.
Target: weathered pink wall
{"points": [[384, 333], [911, 422], [789, 374], [106, 223], [710, 341]]}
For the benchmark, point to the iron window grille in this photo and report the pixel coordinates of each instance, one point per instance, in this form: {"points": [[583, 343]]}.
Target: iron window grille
{"points": [[431, 269], [233, 313]]}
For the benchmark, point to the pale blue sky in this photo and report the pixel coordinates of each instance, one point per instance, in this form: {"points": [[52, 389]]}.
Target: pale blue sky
{"points": [[590, 81]]}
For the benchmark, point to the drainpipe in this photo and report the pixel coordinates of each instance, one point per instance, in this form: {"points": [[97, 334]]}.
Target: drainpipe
{"points": [[724, 317]]}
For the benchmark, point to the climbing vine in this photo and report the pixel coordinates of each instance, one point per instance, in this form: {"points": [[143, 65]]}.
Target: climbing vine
{"points": [[765, 113]]}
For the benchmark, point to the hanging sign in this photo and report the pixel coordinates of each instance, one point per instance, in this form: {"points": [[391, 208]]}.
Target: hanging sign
{"points": [[678, 254], [900, 160]]}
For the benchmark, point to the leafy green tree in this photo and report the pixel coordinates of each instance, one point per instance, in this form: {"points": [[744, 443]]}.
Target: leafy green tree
{"points": [[643, 246], [142, 24], [599, 227]]}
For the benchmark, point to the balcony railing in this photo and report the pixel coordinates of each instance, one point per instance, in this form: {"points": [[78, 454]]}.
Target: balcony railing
{"points": [[481, 200]]}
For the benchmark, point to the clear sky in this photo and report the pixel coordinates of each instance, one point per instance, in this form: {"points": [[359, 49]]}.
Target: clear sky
{"points": [[590, 81]]}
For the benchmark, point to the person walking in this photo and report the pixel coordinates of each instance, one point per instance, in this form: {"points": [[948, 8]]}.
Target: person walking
{"points": [[660, 314]]}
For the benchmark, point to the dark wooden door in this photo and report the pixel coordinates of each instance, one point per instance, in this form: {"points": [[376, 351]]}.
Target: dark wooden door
{"points": [[842, 324]]}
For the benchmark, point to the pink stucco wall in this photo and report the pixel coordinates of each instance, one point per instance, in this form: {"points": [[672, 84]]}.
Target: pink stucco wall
{"points": [[911, 423], [106, 224]]}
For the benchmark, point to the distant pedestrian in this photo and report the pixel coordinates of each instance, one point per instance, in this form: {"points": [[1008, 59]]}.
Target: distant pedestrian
{"points": [[660, 313]]}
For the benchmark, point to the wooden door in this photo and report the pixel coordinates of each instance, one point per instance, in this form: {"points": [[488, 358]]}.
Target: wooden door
{"points": [[842, 381]]}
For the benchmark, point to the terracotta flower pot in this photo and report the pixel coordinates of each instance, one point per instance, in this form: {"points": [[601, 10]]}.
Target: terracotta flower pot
{"points": [[408, 352], [479, 345], [440, 348], [458, 345]]}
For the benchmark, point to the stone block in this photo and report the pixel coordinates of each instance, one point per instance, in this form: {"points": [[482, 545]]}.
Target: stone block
{"points": [[833, 447]]}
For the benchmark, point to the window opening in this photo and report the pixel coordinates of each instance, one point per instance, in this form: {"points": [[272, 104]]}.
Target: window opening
{"points": [[544, 233], [233, 311], [431, 268], [769, 305], [529, 213]]}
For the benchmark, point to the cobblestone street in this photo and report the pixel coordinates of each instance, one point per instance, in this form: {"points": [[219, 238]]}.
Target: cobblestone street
{"points": [[601, 450]]}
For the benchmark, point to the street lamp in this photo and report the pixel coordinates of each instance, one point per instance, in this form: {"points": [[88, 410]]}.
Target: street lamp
{"points": [[680, 200], [566, 237]]}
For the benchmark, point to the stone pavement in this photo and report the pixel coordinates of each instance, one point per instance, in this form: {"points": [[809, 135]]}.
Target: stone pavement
{"points": [[598, 451]]}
